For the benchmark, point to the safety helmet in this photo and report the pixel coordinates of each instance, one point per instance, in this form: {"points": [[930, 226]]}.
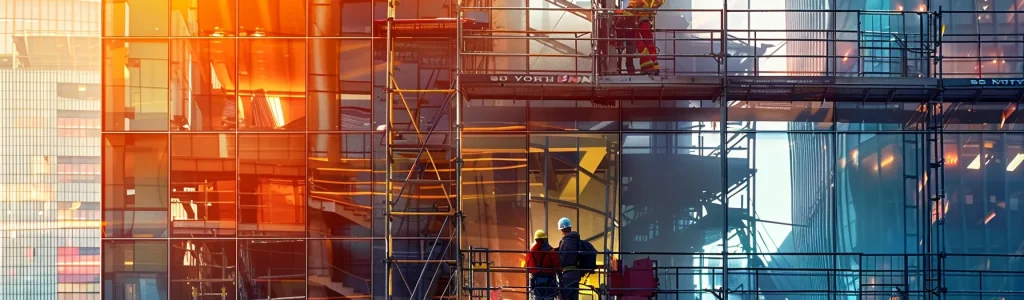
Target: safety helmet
{"points": [[540, 235], [564, 223]]}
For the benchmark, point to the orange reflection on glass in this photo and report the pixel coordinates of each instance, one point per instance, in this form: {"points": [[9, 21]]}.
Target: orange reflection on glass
{"points": [[203, 18], [275, 269], [203, 185], [340, 185], [139, 18], [271, 84], [203, 266], [339, 84], [203, 84], [340, 17], [340, 262], [135, 185], [260, 18], [135, 78], [272, 184], [498, 200]]}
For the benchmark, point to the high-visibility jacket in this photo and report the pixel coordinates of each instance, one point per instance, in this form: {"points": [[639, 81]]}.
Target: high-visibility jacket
{"points": [[650, 4]]}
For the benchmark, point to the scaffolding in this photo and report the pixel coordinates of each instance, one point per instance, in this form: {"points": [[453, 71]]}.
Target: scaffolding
{"points": [[894, 56]]}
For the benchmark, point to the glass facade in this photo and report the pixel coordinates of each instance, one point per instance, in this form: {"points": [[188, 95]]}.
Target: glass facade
{"points": [[49, 155], [247, 147]]}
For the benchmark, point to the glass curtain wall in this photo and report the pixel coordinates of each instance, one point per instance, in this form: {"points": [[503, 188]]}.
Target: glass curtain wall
{"points": [[244, 158], [49, 149]]}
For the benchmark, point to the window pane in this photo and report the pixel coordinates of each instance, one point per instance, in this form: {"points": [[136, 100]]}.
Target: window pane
{"points": [[780, 201], [879, 188], [271, 18], [558, 115], [135, 81], [272, 184], [337, 263], [203, 184], [340, 185], [340, 18], [203, 18], [677, 208], [140, 18], [203, 266], [135, 185], [339, 84], [495, 200], [203, 84], [272, 269], [135, 270], [691, 115], [272, 84]]}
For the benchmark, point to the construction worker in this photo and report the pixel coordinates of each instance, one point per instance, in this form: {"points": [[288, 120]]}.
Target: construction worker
{"points": [[568, 253], [644, 33], [542, 262]]}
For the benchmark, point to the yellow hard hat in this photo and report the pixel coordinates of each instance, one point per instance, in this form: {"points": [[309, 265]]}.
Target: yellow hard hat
{"points": [[540, 235]]}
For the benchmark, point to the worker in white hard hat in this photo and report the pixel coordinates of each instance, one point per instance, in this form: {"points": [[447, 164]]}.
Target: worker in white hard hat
{"points": [[542, 263], [568, 254]]}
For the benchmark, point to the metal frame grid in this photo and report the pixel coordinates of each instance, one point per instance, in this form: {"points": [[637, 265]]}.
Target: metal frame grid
{"points": [[927, 45]]}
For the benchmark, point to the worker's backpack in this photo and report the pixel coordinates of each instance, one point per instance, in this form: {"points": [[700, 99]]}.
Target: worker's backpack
{"points": [[586, 260]]}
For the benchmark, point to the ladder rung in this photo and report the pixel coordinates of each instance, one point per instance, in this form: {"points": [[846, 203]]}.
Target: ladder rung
{"points": [[424, 213], [424, 91], [420, 146], [424, 181], [424, 261]]}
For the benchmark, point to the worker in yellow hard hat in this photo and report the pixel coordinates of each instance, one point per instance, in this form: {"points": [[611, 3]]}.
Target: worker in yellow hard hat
{"points": [[541, 262]]}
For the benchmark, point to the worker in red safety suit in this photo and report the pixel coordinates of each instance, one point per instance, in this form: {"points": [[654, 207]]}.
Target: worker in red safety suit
{"points": [[644, 33], [542, 262]]}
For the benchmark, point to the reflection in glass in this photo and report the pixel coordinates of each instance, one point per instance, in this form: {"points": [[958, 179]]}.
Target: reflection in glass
{"points": [[339, 84], [272, 184], [135, 269], [135, 185], [206, 267], [136, 18], [271, 18], [671, 201], [135, 80], [879, 185], [330, 18], [203, 185], [271, 269], [215, 18], [782, 205], [340, 269], [494, 199], [687, 115], [571, 176], [203, 85], [984, 187], [779, 116], [340, 185], [559, 115], [271, 84]]}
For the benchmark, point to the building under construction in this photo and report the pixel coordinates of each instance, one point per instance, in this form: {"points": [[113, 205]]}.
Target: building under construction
{"points": [[785, 149]]}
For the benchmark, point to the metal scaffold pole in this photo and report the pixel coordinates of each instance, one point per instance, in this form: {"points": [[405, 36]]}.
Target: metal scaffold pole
{"points": [[458, 150], [389, 57], [724, 155]]}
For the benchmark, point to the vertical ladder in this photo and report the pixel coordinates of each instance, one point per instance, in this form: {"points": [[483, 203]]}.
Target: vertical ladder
{"points": [[935, 190], [422, 203]]}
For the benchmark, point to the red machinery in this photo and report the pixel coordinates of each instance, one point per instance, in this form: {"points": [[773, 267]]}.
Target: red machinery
{"points": [[634, 283]]}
